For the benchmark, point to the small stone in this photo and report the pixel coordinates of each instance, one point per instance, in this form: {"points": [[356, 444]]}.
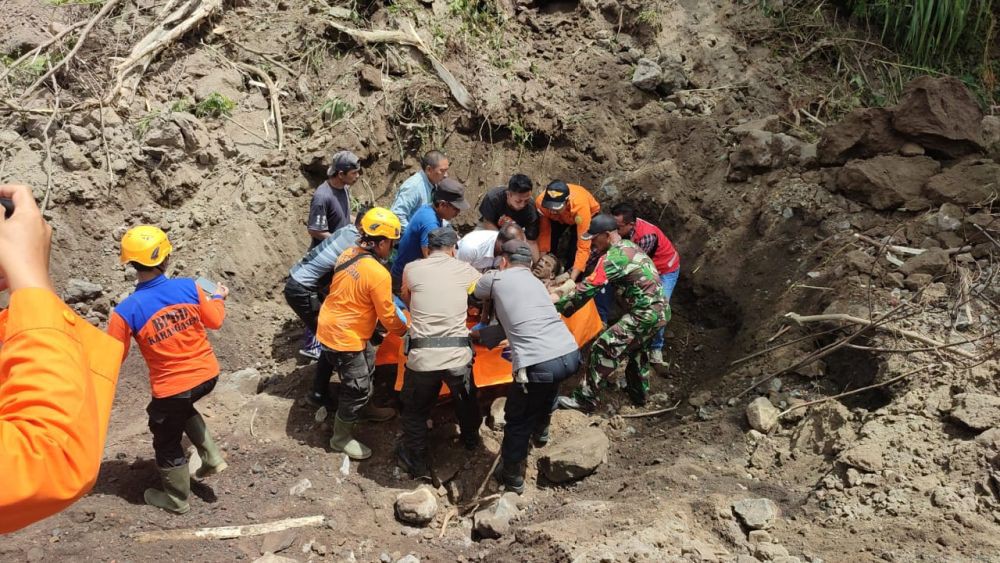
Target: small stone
{"points": [[494, 520], [417, 507], [911, 149], [759, 536], [916, 282], [978, 411], [762, 415], [866, 457], [934, 261], [756, 514], [408, 559], [700, 398], [73, 158], [278, 541], [301, 487], [79, 134], [272, 558], [647, 75], [256, 468], [35, 554]]}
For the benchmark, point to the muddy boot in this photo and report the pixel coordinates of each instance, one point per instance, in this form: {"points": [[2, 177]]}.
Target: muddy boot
{"points": [[656, 357], [511, 476], [541, 436], [414, 464], [212, 461], [176, 489], [342, 441], [371, 413]]}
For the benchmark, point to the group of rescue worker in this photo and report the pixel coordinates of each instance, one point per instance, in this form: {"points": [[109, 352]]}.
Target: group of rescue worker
{"points": [[369, 272], [405, 271]]}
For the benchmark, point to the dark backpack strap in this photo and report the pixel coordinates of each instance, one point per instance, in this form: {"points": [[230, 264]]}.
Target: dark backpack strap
{"points": [[345, 265]]}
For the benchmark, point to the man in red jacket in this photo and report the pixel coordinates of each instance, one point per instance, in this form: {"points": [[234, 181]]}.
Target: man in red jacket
{"points": [[168, 317], [657, 246]]}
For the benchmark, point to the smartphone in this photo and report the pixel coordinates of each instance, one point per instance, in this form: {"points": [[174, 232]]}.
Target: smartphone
{"points": [[207, 286], [8, 207]]}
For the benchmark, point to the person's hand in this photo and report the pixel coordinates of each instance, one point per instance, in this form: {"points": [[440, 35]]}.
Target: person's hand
{"points": [[554, 297], [25, 240], [221, 290], [574, 274]]}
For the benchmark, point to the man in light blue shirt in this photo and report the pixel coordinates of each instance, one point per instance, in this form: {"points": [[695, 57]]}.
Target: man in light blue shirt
{"points": [[415, 192], [448, 201]]}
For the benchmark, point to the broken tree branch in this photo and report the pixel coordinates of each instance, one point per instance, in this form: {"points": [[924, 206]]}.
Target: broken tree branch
{"points": [[272, 91], [856, 391], [906, 249], [108, 6], [229, 532], [48, 147], [409, 37], [264, 56], [800, 319]]}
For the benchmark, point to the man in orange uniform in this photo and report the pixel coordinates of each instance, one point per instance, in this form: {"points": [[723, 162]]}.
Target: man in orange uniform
{"points": [[564, 207], [57, 379], [360, 296], [168, 318]]}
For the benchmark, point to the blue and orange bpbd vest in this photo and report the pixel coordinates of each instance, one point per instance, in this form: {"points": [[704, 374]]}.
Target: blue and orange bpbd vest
{"points": [[168, 318]]}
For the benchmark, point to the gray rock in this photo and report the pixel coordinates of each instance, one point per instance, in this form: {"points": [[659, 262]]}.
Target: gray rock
{"points": [[278, 541], [494, 520], [934, 261], [886, 182], [756, 513], [914, 282], [8, 137], [298, 489], [249, 381], [978, 411], [417, 507], [497, 419], [79, 291], [35, 554], [760, 151], [79, 134], [272, 558], [762, 415], [911, 149], [576, 457], [74, 159], [408, 559], [825, 430], [647, 75], [867, 457], [165, 134], [950, 216]]}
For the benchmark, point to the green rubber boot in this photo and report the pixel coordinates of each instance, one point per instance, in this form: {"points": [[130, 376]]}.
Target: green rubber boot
{"points": [[342, 441], [212, 461], [176, 489]]}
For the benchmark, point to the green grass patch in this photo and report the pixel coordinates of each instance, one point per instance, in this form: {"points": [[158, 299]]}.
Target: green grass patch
{"points": [[334, 109]]}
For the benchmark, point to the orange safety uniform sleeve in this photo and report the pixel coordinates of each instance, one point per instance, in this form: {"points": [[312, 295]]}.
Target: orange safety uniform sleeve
{"points": [[213, 311], [385, 308], [580, 209], [544, 227], [57, 381], [120, 331]]}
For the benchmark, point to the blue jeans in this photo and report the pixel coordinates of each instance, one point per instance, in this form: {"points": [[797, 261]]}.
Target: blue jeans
{"points": [[669, 281]]}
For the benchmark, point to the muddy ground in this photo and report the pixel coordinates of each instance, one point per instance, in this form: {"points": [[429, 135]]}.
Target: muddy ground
{"points": [[680, 106]]}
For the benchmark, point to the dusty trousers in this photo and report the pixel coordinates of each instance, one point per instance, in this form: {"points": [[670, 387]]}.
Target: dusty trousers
{"points": [[356, 370], [529, 405], [167, 418], [420, 394]]}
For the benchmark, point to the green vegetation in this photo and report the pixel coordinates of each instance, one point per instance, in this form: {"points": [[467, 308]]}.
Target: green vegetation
{"points": [[482, 19], [650, 17], [215, 105], [402, 7], [930, 32], [522, 137], [334, 109]]}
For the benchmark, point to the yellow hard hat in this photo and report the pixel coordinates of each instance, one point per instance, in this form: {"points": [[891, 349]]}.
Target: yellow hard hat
{"points": [[146, 245], [380, 222]]}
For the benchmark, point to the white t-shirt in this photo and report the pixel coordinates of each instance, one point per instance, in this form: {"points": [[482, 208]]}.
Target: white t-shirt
{"points": [[476, 249]]}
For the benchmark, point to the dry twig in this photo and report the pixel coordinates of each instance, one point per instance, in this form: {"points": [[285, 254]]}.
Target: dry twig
{"points": [[651, 413], [264, 56], [272, 91], [800, 319], [37, 50]]}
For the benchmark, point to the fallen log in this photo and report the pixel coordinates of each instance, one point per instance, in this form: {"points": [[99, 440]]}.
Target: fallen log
{"points": [[800, 319]]}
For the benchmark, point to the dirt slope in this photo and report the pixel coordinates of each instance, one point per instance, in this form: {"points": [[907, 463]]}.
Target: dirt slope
{"points": [[763, 216]]}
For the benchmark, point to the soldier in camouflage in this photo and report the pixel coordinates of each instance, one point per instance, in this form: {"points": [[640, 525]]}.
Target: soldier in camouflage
{"points": [[625, 266]]}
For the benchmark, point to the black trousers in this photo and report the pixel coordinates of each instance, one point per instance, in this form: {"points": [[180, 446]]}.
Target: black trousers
{"points": [[167, 418], [530, 405], [419, 395], [356, 370], [303, 301]]}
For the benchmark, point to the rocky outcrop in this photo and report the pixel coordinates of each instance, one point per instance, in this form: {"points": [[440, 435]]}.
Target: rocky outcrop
{"points": [[887, 182], [969, 182], [941, 115], [576, 457], [864, 133]]}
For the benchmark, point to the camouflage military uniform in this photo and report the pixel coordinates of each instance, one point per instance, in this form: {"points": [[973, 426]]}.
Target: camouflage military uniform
{"points": [[625, 266]]}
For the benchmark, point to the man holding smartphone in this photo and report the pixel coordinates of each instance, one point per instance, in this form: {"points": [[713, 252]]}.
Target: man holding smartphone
{"points": [[168, 317]]}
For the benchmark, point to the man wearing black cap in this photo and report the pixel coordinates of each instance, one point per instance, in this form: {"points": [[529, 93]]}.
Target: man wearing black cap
{"points": [[544, 353], [436, 289], [566, 207], [331, 204], [447, 201], [623, 265]]}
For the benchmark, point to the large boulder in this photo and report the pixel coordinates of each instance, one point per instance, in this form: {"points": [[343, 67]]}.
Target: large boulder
{"points": [[978, 411], [647, 75], [969, 182], [942, 115], [887, 182], [79, 291], [863, 133], [416, 507], [494, 520], [576, 457]]}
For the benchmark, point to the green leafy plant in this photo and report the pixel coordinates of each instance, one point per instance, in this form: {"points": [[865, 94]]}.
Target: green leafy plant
{"points": [[522, 137], [651, 18], [214, 105], [334, 109], [402, 7]]}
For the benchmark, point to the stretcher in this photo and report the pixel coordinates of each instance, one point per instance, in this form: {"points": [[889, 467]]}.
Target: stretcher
{"points": [[488, 367]]}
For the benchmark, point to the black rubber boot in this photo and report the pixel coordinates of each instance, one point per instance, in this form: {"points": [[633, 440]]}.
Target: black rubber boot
{"points": [[414, 464], [511, 476]]}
